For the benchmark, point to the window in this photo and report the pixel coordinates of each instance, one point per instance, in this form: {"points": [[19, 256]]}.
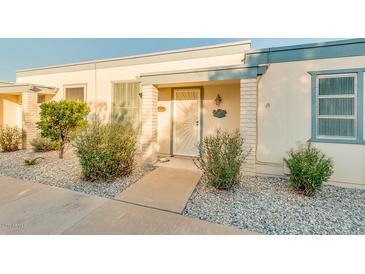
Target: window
{"points": [[41, 98], [336, 98], [75, 93], [126, 103]]}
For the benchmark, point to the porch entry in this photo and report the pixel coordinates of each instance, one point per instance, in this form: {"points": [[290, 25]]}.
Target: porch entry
{"points": [[186, 127]]}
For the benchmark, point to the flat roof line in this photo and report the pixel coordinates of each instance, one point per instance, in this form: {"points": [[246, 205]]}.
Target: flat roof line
{"points": [[244, 42], [308, 46]]}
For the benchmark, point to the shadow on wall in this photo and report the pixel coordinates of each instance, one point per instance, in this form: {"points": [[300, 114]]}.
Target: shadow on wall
{"points": [[98, 111], [283, 100], [120, 115]]}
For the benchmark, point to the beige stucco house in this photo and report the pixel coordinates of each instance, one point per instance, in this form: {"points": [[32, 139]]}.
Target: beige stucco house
{"points": [[276, 97]]}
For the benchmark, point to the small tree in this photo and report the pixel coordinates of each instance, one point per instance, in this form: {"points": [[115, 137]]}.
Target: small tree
{"points": [[60, 119]]}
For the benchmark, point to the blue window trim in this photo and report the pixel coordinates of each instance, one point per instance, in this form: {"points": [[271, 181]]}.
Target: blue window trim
{"points": [[360, 106]]}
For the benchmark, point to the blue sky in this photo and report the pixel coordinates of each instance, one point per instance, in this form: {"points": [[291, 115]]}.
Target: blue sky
{"points": [[28, 53]]}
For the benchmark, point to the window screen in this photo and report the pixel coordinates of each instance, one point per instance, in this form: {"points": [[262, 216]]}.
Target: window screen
{"points": [[336, 108]]}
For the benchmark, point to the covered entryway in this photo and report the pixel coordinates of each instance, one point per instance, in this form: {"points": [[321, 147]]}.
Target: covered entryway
{"points": [[228, 101], [189, 112], [11, 110], [19, 106]]}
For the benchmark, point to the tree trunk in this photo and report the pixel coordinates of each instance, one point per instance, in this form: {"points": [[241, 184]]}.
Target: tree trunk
{"points": [[62, 145], [61, 151]]}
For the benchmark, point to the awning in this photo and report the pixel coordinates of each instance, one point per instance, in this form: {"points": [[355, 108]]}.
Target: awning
{"points": [[20, 88]]}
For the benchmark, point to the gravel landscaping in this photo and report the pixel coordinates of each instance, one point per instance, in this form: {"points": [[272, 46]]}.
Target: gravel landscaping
{"points": [[65, 173], [267, 205]]}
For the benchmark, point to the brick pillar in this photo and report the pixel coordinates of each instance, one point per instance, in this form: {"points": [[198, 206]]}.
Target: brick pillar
{"points": [[248, 121], [149, 123], [30, 116]]}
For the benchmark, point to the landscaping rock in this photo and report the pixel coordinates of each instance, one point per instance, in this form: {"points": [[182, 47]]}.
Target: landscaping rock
{"points": [[65, 173], [268, 205]]}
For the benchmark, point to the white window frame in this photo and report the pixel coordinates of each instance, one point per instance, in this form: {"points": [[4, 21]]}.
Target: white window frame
{"points": [[354, 117], [84, 86]]}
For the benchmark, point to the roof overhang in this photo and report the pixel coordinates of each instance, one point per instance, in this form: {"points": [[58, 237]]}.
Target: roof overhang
{"points": [[203, 75], [332, 49], [20, 88]]}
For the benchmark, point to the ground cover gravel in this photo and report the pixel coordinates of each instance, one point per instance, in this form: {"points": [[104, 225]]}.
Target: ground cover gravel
{"points": [[268, 205], [65, 173]]}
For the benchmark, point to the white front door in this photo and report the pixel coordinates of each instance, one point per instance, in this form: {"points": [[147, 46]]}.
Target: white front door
{"points": [[186, 134]]}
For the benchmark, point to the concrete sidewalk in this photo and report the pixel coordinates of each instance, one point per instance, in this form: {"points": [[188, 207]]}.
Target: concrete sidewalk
{"points": [[33, 208], [164, 188]]}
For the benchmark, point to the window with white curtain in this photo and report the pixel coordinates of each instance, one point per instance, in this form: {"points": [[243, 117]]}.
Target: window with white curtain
{"points": [[126, 103], [336, 106]]}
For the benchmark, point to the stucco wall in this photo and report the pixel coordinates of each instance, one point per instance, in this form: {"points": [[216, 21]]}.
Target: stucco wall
{"points": [[230, 94], [284, 118], [10, 110], [230, 102], [99, 81]]}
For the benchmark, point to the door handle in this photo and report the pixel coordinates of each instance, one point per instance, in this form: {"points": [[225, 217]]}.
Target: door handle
{"points": [[197, 123]]}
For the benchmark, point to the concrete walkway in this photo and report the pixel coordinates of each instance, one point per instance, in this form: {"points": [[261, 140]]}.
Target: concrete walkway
{"points": [[164, 188], [33, 208]]}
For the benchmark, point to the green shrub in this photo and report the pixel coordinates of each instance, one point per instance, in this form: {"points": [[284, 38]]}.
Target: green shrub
{"points": [[309, 168], [106, 151], [220, 158], [41, 144], [59, 120], [10, 138]]}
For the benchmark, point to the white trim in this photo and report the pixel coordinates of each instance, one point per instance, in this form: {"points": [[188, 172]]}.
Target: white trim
{"points": [[348, 117], [198, 91]]}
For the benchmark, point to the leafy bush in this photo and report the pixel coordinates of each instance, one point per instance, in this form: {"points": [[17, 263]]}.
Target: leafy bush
{"points": [[10, 138], [32, 161], [309, 168], [220, 158], [106, 151], [41, 144], [59, 120]]}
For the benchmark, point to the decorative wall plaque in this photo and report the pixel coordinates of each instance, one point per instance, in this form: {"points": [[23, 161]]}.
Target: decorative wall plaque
{"points": [[161, 109], [219, 113]]}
